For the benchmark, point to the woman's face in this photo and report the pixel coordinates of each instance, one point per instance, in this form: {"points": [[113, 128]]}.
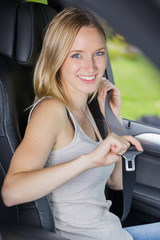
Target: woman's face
{"points": [[85, 64]]}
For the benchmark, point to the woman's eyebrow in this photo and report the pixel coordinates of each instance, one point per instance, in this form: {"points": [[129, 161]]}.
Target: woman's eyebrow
{"points": [[103, 48], [76, 51]]}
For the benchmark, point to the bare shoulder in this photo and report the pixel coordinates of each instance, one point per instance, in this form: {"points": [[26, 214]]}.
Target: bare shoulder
{"points": [[48, 120], [50, 106], [49, 111]]}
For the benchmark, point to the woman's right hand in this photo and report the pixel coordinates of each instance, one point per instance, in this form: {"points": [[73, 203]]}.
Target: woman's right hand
{"points": [[111, 149]]}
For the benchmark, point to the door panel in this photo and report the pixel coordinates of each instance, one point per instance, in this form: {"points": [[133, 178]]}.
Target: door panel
{"points": [[146, 196]]}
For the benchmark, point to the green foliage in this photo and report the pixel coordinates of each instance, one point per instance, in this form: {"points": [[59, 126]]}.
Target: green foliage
{"points": [[139, 83], [120, 51], [118, 47], [39, 1]]}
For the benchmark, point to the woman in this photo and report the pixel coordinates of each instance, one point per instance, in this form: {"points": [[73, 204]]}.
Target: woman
{"points": [[62, 136]]}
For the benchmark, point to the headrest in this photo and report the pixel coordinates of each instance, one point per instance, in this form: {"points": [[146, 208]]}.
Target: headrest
{"points": [[22, 27]]}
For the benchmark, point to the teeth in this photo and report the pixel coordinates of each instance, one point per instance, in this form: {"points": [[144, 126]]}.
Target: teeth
{"points": [[87, 78]]}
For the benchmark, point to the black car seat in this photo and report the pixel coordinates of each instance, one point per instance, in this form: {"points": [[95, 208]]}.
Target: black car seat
{"points": [[22, 26]]}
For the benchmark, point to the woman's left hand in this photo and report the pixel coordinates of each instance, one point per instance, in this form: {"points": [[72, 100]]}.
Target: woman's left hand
{"points": [[115, 100]]}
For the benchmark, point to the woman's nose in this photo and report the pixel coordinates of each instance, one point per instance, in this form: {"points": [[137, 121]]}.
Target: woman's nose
{"points": [[90, 65]]}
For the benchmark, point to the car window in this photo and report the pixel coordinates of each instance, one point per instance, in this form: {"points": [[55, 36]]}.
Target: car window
{"points": [[138, 80]]}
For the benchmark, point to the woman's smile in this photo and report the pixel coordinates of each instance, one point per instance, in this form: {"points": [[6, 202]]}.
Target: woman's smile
{"points": [[87, 79]]}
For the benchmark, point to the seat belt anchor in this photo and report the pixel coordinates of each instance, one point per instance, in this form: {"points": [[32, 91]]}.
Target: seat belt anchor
{"points": [[129, 163]]}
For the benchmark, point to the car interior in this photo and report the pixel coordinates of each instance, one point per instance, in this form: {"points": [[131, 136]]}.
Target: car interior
{"points": [[22, 27]]}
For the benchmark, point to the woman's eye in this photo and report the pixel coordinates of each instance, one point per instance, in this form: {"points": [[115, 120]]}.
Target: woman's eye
{"points": [[99, 53], [77, 55]]}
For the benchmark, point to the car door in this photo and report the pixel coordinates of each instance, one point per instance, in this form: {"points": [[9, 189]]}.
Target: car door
{"points": [[146, 195]]}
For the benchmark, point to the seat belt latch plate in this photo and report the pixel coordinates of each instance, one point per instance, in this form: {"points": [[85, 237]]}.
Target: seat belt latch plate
{"points": [[129, 163]]}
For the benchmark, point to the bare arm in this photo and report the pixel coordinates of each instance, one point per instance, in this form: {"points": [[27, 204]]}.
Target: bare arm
{"points": [[27, 179]]}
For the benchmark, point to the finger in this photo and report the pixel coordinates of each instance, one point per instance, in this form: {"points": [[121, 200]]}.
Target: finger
{"points": [[105, 82], [103, 92], [118, 144], [120, 150], [134, 142], [104, 88]]}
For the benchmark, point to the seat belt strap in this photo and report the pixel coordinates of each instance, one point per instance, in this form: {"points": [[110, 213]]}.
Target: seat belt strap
{"points": [[128, 161]]}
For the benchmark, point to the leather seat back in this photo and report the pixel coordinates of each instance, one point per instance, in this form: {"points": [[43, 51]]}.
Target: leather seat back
{"points": [[22, 27]]}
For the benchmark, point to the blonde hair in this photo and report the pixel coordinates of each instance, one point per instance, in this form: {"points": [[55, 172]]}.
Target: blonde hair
{"points": [[57, 43]]}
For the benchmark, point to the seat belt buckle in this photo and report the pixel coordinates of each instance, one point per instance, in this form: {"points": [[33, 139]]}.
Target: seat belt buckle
{"points": [[129, 157], [129, 163]]}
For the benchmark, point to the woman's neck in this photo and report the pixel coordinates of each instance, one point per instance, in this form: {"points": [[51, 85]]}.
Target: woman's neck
{"points": [[77, 102]]}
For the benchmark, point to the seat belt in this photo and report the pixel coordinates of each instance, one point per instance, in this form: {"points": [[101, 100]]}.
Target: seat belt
{"points": [[128, 158]]}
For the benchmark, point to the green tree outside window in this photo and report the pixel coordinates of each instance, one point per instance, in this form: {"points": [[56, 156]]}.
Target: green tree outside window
{"points": [[40, 1]]}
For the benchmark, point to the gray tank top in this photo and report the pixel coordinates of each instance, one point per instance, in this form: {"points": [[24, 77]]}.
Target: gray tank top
{"points": [[80, 209]]}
